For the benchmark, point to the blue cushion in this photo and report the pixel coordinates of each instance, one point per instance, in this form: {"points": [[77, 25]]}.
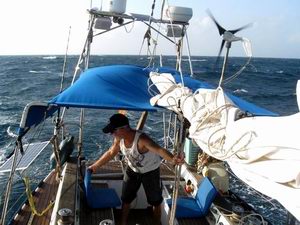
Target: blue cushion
{"points": [[99, 198], [205, 195], [188, 207]]}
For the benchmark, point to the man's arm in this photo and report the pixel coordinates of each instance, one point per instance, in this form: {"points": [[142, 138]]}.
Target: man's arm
{"points": [[107, 156], [150, 145]]}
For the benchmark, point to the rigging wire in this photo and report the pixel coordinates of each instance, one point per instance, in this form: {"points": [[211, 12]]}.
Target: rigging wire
{"points": [[239, 72], [162, 9], [8, 187], [247, 48], [81, 58], [65, 63], [179, 46], [148, 33], [14, 166], [189, 54], [132, 26]]}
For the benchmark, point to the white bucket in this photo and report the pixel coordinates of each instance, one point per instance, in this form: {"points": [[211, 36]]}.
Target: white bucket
{"points": [[117, 6]]}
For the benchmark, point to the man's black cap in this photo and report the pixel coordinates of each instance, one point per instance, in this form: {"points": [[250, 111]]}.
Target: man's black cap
{"points": [[116, 121]]}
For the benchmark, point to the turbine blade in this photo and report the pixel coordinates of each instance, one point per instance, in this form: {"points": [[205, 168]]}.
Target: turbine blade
{"points": [[221, 48], [241, 28], [220, 28], [219, 54]]}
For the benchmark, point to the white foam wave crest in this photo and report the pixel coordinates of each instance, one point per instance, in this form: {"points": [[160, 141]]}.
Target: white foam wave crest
{"points": [[240, 91], [49, 57], [10, 133], [39, 71]]}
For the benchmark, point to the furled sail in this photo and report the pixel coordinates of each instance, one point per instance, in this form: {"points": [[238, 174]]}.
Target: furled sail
{"points": [[263, 151]]}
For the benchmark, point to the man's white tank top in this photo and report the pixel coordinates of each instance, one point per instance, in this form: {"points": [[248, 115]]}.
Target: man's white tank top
{"points": [[139, 163]]}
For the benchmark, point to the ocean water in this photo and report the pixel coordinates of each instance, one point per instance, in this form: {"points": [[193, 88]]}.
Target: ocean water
{"points": [[267, 82]]}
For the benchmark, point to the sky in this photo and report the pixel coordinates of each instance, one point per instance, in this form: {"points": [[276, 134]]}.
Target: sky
{"points": [[35, 27]]}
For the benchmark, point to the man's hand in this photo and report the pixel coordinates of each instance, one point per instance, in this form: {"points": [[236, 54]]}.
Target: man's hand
{"points": [[178, 159], [92, 169]]}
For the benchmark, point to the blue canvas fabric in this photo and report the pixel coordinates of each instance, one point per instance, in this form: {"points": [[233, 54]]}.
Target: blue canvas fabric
{"points": [[118, 87], [109, 87], [127, 87], [100, 198], [33, 114], [188, 207]]}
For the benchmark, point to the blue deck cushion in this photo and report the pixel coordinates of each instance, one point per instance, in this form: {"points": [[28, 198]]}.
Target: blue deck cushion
{"points": [[188, 207], [101, 197]]}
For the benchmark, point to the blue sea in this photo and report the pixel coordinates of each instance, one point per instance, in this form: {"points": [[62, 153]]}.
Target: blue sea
{"points": [[267, 82]]}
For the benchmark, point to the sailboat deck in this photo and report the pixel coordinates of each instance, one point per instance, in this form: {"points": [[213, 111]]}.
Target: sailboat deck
{"points": [[145, 217], [111, 171], [94, 216], [42, 196], [114, 171]]}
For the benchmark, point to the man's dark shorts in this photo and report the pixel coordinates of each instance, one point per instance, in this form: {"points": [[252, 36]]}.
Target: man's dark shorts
{"points": [[151, 183]]}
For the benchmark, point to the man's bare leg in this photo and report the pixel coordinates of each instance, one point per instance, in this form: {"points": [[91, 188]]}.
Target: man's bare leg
{"points": [[157, 214], [125, 212]]}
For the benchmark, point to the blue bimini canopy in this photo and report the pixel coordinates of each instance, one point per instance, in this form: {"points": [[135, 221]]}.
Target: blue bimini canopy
{"points": [[115, 87], [126, 87], [109, 87]]}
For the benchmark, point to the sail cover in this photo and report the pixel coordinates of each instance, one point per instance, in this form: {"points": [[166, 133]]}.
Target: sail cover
{"points": [[128, 87]]}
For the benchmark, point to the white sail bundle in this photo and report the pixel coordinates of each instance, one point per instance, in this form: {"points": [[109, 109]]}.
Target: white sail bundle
{"points": [[263, 151]]}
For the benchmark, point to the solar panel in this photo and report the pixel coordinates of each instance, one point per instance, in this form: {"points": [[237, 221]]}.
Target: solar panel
{"points": [[31, 152]]}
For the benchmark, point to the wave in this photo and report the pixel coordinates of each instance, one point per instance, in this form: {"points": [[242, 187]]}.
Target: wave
{"points": [[5, 120], [10, 133], [274, 95], [49, 57], [240, 91], [199, 60], [39, 71], [186, 60], [2, 157]]}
